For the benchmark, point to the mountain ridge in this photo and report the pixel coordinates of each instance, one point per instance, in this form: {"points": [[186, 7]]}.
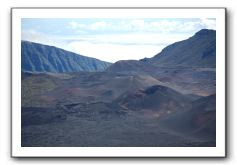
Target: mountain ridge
{"points": [[196, 51], [44, 58]]}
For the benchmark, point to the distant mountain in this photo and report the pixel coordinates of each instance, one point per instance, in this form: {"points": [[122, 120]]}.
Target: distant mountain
{"points": [[197, 51], [131, 67], [43, 58]]}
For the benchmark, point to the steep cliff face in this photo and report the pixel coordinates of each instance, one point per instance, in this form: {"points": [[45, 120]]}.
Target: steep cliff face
{"points": [[42, 58]]}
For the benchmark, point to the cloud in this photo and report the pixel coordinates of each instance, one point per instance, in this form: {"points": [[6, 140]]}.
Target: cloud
{"points": [[146, 26], [114, 52], [38, 37], [33, 35], [73, 25], [164, 26], [208, 23], [95, 26], [99, 25], [131, 38], [76, 25], [137, 24]]}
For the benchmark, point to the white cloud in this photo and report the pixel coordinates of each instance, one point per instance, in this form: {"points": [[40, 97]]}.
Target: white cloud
{"points": [[131, 38], [122, 46], [33, 35], [163, 26], [142, 25], [137, 24], [73, 25], [76, 25], [114, 52], [99, 25], [38, 37], [208, 23], [180, 26]]}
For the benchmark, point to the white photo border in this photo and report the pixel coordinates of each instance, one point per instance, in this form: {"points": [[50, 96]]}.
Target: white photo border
{"points": [[116, 12]]}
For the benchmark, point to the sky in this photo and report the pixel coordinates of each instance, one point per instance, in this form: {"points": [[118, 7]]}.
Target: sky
{"points": [[112, 39]]}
